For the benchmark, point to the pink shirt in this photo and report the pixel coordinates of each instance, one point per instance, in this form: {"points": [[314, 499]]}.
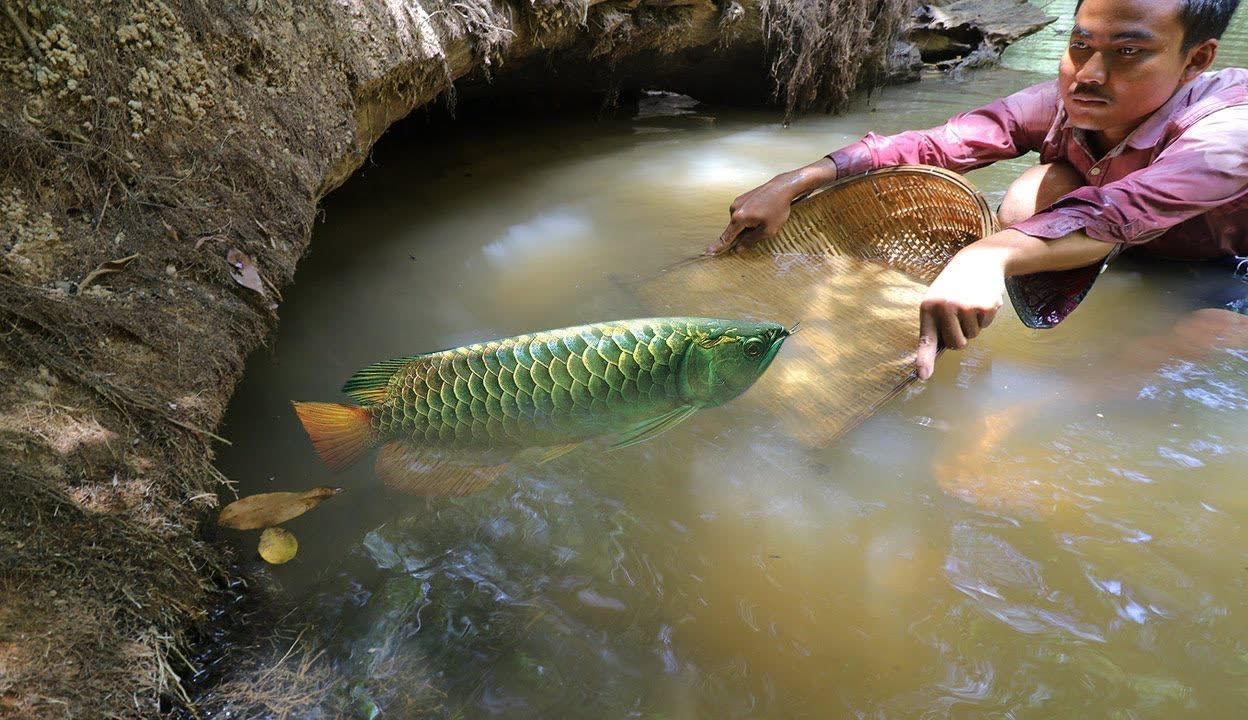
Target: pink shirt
{"points": [[1178, 185]]}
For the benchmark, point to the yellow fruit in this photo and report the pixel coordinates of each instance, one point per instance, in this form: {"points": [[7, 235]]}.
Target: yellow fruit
{"points": [[278, 545]]}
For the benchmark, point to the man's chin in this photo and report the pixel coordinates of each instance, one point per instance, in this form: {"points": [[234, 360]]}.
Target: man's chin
{"points": [[1088, 120]]}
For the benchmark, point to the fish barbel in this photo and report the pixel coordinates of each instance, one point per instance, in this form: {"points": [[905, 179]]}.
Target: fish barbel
{"points": [[448, 422]]}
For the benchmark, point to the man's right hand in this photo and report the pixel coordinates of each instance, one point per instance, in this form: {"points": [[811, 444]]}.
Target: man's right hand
{"points": [[755, 216], [758, 214]]}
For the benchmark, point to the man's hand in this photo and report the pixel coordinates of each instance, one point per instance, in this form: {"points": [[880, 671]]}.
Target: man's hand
{"points": [[966, 295], [758, 214], [755, 216], [963, 300]]}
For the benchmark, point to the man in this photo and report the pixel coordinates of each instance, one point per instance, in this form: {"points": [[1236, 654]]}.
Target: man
{"points": [[1139, 146]]}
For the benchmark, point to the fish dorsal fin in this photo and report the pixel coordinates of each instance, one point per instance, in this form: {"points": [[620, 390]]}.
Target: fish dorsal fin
{"points": [[368, 386], [653, 427], [424, 471]]}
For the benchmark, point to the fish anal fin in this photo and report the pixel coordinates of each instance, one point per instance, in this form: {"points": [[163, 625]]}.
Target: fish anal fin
{"points": [[653, 427], [419, 471], [555, 452], [368, 386]]}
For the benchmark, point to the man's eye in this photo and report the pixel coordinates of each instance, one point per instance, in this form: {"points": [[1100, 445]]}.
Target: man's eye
{"points": [[1129, 51], [1078, 45]]}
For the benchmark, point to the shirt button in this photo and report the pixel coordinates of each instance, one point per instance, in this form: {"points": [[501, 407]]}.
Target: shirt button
{"points": [[1094, 171]]}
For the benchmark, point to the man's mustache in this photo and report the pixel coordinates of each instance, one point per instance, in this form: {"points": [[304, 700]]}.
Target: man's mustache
{"points": [[1089, 92]]}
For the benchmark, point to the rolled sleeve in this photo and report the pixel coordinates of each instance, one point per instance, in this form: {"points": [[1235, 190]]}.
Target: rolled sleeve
{"points": [[1205, 168], [1003, 129], [853, 159]]}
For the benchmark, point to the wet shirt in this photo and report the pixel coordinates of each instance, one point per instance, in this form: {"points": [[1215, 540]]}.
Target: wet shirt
{"points": [[1177, 186]]}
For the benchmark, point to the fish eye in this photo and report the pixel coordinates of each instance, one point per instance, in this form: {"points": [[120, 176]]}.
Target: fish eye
{"points": [[753, 348]]}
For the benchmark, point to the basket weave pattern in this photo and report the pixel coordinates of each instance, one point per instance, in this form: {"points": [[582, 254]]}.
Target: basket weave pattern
{"points": [[911, 218]]}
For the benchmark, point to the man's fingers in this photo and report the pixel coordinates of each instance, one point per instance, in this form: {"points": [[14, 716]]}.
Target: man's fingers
{"points": [[749, 238], [968, 322], [986, 317], [929, 339], [726, 239], [950, 328]]}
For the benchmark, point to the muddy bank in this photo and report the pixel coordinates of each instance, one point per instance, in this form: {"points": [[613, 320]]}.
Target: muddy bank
{"points": [[160, 167]]}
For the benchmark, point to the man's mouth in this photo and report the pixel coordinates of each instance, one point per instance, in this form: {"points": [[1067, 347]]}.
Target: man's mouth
{"points": [[1089, 98]]}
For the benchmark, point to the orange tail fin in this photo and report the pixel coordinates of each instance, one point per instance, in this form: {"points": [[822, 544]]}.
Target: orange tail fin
{"points": [[341, 434]]}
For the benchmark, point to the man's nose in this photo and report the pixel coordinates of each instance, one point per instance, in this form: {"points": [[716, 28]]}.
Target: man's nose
{"points": [[1093, 71]]}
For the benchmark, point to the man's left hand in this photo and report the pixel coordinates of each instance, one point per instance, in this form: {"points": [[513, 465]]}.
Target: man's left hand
{"points": [[963, 300]]}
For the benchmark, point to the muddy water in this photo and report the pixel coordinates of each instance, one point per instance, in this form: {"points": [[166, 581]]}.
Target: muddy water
{"points": [[1056, 525]]}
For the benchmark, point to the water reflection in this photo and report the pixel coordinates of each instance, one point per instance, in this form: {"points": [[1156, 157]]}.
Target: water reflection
{"points": [[1092, 565]]}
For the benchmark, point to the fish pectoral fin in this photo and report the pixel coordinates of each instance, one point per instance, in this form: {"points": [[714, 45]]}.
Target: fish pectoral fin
{"points": [[554, 452], [421, 471], [653, 427]]}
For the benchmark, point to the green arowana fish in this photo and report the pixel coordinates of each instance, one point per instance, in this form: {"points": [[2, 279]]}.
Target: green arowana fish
{"points": [[448, 422]]}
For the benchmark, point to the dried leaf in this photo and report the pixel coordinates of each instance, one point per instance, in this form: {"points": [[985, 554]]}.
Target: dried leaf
{"points": [[278, 545], [106, 268], [269, 509], [170, 232], [244, 271]]}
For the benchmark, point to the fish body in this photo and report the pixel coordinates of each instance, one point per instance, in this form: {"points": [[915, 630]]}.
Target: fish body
{"points": [[459, 411]]}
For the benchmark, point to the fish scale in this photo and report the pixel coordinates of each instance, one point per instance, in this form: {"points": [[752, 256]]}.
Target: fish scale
{"points": [[474, 395]]}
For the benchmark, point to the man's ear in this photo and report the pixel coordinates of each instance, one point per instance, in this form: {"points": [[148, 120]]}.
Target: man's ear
{"points": [[1200, 58]]}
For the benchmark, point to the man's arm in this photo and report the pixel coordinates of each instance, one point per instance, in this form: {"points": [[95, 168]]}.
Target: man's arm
{"points": [[1205, 168], [965, 297], [1005, 128]]}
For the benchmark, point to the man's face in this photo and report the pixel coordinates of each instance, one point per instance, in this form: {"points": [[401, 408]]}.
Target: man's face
{"points": [[1122, 63]]}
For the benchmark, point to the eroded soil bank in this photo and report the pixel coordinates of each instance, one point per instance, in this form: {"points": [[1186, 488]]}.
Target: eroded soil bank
{"points": [[161, 162]]}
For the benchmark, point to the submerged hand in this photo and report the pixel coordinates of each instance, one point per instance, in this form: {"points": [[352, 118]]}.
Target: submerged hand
{"points": [[755, 216], [963, 300]]}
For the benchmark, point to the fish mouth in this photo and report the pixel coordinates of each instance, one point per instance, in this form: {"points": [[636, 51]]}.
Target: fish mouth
{"points": [[778, 336]]}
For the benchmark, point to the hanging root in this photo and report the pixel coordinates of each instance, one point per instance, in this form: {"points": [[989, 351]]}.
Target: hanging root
{"points": [[823, 49]]}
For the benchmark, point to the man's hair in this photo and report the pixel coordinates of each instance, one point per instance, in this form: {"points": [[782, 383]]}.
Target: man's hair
{"points": [[1202, 19]]}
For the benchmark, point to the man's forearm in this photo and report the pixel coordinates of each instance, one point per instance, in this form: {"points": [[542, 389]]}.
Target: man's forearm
{"points": [[810, 177], [1022, 254]]}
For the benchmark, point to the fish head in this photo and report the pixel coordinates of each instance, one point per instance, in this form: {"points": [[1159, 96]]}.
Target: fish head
{"points": [[725, 357]]}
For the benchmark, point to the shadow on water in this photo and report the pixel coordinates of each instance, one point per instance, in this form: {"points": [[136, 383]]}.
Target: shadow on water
{"points": [[1082, 558]]}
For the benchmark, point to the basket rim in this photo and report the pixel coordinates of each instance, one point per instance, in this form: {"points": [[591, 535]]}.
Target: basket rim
{"points": [[988, 218]]}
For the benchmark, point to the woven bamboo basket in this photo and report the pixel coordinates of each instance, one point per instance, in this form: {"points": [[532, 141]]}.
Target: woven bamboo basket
{"points": [[851, 264], [913, 218]]}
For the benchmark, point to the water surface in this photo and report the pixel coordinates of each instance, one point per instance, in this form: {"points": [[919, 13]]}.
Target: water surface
{"points": [[1053, 526]]}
